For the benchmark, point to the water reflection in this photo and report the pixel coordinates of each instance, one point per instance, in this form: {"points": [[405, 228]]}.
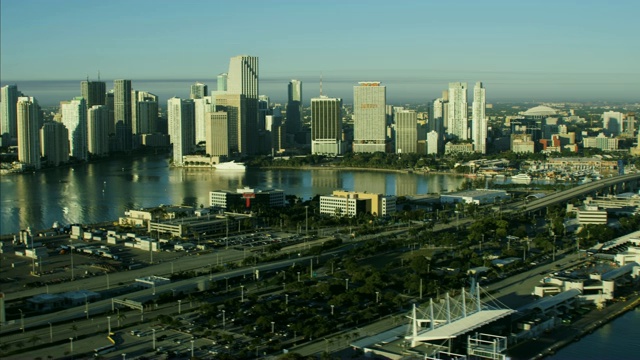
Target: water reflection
{"points": [[103, 191]]}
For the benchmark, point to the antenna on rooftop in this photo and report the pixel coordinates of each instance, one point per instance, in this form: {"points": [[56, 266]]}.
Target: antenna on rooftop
{"points": [[98, 75], [320, 84]]}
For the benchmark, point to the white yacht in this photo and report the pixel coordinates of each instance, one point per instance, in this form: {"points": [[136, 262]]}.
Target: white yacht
{"points": [[231, 165], [521, 179]]}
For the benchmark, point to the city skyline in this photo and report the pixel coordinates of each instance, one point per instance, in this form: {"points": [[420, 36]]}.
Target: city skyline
{"points": [[540, 51]]}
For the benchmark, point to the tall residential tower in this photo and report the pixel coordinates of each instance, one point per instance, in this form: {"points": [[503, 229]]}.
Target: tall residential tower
{"points": [[369, 117], [479, 120]]}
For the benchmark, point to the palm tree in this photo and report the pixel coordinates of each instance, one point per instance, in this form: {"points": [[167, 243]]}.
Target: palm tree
{"points": [[34, 339], [74, 328], [120, 317]]}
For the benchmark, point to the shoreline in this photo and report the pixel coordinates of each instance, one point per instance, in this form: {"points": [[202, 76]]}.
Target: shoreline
{"points": [[562, 336], [351, 168]]}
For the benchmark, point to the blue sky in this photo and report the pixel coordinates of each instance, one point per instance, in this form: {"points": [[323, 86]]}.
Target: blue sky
{"points": [[559, 49]]}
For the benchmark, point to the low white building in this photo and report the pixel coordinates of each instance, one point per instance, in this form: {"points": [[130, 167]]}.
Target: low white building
{"points": [[477, 196]]}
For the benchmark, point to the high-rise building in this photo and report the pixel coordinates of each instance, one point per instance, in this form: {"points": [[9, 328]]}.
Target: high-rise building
{"points": [[457, 121], [222, 82], [276, 129], [369, 117], [612, 122], [433, 142], [242, 79], [28, 123], [144, 112], [406, 131], [294, 106], [198, 91], [479, 119], [54, 143], [109, 103], [93, 92], [122, 109], [8, 119], [235, 105], [74, 118], [98, 130], [326, 126], [181, 123], [203, 106], [217, 133]]}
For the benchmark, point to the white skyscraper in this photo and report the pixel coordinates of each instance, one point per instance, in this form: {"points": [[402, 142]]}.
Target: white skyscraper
{"points": [[326, 126], [98, 130], [478, 119], [74, 117], [203, 106], [612, 122], [457, 121], [406, 131], [181, 124], [369, 117], [198, 91], [28, 121]]}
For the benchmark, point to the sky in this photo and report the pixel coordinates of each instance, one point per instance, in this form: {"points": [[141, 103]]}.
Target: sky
{"points": [[532, 50]]}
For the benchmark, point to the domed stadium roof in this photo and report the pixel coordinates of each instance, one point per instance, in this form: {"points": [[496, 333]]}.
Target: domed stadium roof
{"points": [[540, 111]]}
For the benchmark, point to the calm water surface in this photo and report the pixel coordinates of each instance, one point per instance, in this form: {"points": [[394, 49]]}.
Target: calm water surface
{"points": [[618, 340], [103, 191]]}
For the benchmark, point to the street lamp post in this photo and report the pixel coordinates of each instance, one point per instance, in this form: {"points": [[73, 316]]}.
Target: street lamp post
{"points": [[306, 215], [241, 293], [192, 348], [224, 320], [346, 284], [298, 276], [109, 324], [332, 310], [21, 320], [71, 345], [86, 305], [154, 338], [50, 332], [273, 324], [377, 297], [286, 299], [179, 306]]}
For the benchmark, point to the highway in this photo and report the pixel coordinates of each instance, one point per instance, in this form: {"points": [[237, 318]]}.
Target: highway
{"points": [[563, 196]]}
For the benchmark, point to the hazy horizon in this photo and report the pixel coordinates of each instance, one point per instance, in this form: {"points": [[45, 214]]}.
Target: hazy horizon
{"points": [[538, 51]]}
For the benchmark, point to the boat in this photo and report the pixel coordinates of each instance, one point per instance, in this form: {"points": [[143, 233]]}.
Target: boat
{"points": [[521, 179], [231, 165]]}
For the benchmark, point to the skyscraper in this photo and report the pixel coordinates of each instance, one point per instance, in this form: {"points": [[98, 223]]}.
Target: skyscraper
{"points": [[98, 130], [406, 131], [222, 82], [74, 118], [198, 91], [217, 133], [479, 120], [243, 79], [54, 143], [612, 122], [144, 112], [28, 126], [203, 106], [181, 123], [457, 121], [294, 106], [326, 126], [122, 110], [235, 105], [8, 118], [369, 117], [93, 92]]}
